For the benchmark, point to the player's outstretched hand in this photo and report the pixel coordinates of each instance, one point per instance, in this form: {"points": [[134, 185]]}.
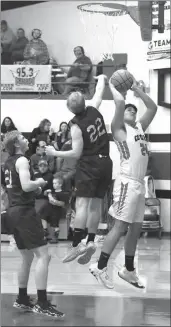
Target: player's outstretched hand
{"points": [[50, 151], [41, 182], [100, 76]]}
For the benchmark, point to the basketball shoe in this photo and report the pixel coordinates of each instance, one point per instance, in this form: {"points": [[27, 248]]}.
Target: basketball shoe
{"points": [[25, 304], [131, 277], [48, 309], [74, 252], [101, 275], [86, 257]]}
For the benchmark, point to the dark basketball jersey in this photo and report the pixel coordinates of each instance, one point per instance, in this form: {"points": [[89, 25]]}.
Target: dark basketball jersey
{"points": [[95, 137], [17, 197]]}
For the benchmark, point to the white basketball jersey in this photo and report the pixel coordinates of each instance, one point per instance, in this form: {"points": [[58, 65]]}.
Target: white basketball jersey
{"points": [[134, 153]]}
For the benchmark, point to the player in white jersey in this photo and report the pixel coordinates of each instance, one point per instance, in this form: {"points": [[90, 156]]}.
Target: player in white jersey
{"points": [[129, 190]]}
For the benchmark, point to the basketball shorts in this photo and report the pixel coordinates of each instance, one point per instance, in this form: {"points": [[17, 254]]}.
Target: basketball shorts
{"points": [[26, 227], [93, 176], [128, 200]]}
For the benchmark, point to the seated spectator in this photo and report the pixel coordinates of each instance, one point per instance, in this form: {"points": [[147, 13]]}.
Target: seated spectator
{"points": [[18, 46], [79, 72], [61, 136], [58, 200], [7, 126], [41, 133], [36, 51], [7, 38], [39, 155]]}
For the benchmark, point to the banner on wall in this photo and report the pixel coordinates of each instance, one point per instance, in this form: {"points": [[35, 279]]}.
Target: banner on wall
{"points": [[25, 78], [159, 47]]}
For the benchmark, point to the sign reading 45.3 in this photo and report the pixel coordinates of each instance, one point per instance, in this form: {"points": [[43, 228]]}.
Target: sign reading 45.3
{"points": [[25, 71]]}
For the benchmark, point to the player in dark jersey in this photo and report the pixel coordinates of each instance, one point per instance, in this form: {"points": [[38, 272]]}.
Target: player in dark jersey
{"points": [[90, 145], [26, 226]]}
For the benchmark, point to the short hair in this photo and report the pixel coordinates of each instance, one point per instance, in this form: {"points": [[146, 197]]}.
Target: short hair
{"points": [[59, 176], [37, 29], [10, 140], [128, 105], [21, 29], [76, 102], [42, 161]]}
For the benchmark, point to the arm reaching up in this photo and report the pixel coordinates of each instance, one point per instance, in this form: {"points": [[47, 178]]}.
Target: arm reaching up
{"points": [[117, 124], [150, 113], [100, 87]]}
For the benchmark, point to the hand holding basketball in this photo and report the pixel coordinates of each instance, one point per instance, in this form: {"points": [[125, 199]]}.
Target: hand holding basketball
{"points": [[122, 80]]}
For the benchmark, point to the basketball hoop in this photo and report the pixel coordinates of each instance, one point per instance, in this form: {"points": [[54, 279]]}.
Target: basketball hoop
{"points": [[102, 21]]}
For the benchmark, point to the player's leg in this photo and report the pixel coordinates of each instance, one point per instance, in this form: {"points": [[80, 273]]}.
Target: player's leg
{"points": [[124, 213], [97, 188], [23, 301], [128, 272], [80, 222], [94, 214], [43, 306]]}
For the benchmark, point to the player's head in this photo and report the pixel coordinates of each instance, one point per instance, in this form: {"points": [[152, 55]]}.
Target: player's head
{"points": [[79, 52], [43, 166], [57, 181], [15, 143], [130, 113], [76, 103], [40, 149]]}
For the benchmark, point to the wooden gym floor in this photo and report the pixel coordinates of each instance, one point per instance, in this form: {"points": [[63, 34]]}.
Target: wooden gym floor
{"points": [[84, 301]]}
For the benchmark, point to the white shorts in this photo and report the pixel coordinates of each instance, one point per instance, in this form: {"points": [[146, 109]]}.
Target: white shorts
{"points": [[128, 200]]}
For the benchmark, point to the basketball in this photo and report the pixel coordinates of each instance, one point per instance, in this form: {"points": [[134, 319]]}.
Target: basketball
{"points": [[122, 80]]}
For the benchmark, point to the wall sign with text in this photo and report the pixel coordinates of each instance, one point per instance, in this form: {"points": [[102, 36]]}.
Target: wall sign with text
{"points": [[159, 47], [25, 78]]}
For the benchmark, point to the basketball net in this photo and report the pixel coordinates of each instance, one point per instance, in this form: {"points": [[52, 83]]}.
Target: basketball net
{"points": [[102, 27]]}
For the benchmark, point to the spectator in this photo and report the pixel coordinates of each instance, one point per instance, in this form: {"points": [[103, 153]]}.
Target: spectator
{"points": [[42, 203], [7, 126], [39, 155], [67, 167], [62, 136], [79, 72], [36, 51], [41, 133], [7, 38], [58, 200], [18, 46]]}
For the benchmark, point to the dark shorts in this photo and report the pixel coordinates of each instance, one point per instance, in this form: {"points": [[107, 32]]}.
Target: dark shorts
{"points": [[26, 226], [50, 213], [93, 176]]}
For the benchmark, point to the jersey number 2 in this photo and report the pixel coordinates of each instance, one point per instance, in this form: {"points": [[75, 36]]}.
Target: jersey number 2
{"points": [[144, 149], [96, 130]]}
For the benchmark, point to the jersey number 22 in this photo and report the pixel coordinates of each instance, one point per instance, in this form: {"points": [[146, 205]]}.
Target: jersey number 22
{"points": [[96, 130]]}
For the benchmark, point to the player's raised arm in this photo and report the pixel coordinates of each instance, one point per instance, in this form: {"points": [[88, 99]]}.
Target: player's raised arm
{"points": [[148, 116], [118, 119], [77, 145], [100, 87], [22, 167]]}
